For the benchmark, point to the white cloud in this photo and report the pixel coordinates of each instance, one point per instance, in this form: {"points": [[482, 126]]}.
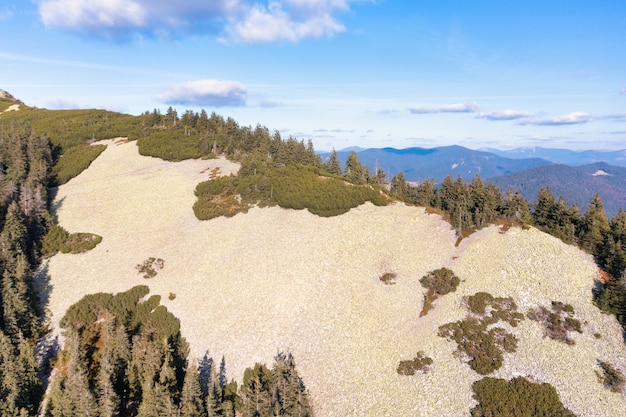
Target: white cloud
{"points": [[247, 21], [446, 108], [274, 23], [573, 118], [215, 93], [622, 91], [503, 115]]}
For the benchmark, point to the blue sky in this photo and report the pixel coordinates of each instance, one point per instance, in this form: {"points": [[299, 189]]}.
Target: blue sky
{"points": [[368, 73]]}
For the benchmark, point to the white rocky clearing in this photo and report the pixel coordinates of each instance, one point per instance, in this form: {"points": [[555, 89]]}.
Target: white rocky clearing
{"points": [[276, 279]]}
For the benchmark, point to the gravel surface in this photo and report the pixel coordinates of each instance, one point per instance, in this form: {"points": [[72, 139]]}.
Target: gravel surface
{"points": [[275, 279]]}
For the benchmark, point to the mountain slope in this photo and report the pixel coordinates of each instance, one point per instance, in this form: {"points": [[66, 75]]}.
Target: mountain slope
{"points": [[283, 279], [436, 163], [576, 184], [565, 156]]}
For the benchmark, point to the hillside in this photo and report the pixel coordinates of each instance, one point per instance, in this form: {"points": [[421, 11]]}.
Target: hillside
{"points": [[435, 163], [275, 279], [577, 185]]}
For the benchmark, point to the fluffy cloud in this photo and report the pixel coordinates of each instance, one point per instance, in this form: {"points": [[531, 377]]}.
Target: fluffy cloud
{"points": [[573, 118], [214, 93], [247, 21], [290, 20], [503, 115], [622, 91], [447, 108]]}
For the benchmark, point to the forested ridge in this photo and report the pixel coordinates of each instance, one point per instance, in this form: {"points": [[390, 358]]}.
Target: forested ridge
{"points": [[123, 353]]}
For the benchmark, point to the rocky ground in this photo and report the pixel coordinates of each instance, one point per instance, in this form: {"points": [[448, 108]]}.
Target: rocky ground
{"points": [[275, 279]]}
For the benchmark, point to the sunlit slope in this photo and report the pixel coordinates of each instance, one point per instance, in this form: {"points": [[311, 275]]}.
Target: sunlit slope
{"points": [[276, 279]]}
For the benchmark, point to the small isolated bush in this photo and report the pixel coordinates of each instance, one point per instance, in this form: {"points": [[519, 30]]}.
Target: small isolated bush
{"points": [[438, 282], [172, 296], [611, 377], [80, 242], [558, 322], [518, 397], [442, 281], [388, 278], [421, 363], [477, 337], [150, 267]]}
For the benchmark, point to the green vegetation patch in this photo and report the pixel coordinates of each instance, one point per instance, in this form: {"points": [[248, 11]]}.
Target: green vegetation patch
{"points": [[420, 363], [559, 322], [477, 336], [438, 282], [516, 398], [60, 240], [292, 186]]}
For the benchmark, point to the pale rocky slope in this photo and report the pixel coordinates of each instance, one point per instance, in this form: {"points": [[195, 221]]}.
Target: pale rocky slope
{"points": [[275, 279]]}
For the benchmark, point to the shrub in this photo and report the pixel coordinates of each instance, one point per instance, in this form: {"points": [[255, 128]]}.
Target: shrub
{"points": [[477, 338], [58, 239], [518, 397], [611, 377], [150, 267], [80, 242], [442, 281], [388, 278], [558, 323], [421, 363], [438, 282]]}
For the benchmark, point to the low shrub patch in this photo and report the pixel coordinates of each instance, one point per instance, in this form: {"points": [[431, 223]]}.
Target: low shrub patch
{"points": [[150, 267], [420, 363], [558, 322]]}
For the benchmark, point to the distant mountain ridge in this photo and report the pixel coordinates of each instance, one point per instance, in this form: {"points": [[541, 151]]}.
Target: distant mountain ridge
{"points": [[564, 156], [436, 163], [577, 185]]}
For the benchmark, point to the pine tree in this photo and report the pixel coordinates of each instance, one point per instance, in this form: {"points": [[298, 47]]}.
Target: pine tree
{"points": [[594, 226], [191, 395], [354, 170], [333, 165]]}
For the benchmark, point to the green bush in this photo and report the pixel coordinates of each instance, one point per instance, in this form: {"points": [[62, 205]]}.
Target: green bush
{"points": [[80, 242], [421, 363], [477, 337], [442, 281], [59, 240], [516, 398], [294, 186]]}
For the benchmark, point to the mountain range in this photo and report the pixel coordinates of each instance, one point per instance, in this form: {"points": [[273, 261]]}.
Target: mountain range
{"points": [[575, 175]]}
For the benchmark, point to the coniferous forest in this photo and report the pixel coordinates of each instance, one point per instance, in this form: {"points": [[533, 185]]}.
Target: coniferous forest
{"points": [[123, 354]]}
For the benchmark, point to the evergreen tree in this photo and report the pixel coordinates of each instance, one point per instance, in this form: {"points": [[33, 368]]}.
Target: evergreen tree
{"points": [[594, 226], [191, 395], [333, 165], [354, 170]]}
